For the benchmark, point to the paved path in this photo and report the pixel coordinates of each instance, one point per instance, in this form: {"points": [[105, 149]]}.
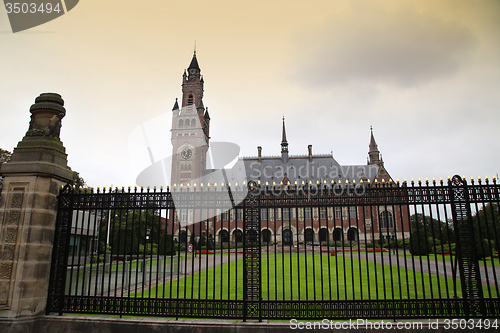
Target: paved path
{"points": [[437, 267]]}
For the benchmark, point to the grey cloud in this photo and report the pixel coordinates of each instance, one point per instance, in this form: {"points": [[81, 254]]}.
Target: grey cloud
{"points": [[372, 45]]}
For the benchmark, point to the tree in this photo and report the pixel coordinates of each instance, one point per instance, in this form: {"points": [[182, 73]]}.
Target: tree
{"points": [[487, 227], [419, 243], [5, 156], [192, 240], [210, 242], [77, 180], [131, 228], [166, 245], [427, 232]]}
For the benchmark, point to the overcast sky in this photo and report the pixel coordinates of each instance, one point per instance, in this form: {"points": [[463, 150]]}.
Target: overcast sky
{"points": [[424, 74]]}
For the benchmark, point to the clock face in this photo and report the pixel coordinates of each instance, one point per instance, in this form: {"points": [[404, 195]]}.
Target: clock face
{"points": [[186, 153]]}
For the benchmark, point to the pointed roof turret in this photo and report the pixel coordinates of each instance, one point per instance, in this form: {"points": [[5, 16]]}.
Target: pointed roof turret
{"points": [[373, 152], [194, 63], [284, 143], [373, 144], [207, 116], [176, 105]]}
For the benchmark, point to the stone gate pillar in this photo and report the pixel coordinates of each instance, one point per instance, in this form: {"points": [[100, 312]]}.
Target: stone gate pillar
{"points": [[33, 177]]}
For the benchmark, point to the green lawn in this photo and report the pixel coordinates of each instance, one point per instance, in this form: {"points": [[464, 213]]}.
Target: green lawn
{"points": [[320, 277]]}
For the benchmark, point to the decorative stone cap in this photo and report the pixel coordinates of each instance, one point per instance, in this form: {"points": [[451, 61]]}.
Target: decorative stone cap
{"points": [[46, 115], [51, 101]]}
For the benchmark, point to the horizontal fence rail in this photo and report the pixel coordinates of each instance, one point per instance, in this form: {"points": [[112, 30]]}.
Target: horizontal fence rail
{"points": [[289, 252]]}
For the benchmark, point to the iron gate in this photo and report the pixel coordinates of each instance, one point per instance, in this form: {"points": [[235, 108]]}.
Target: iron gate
{"points": [[317, 251]]}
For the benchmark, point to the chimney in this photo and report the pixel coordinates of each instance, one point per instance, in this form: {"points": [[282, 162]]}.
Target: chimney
{"points": [[310, 149], [259, 148]]}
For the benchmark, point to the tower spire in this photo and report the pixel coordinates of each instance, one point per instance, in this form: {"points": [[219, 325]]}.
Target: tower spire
{"points": [[176, 105], [373, 144], [194, 62], [284, 145], [373, 152]]}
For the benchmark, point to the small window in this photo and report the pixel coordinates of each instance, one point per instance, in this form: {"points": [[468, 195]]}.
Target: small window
{"points": [[286, 214], [322, 213], [386, 220], [307, 213], [264, 213], [352, 212], [338, 213], [190, 99]]}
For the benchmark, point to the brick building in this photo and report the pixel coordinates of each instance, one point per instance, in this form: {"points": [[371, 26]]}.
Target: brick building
{"points": [[193, 165]]}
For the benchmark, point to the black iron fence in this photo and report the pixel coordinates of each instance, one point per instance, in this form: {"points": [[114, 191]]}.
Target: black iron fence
{"points": [[306, 252]]}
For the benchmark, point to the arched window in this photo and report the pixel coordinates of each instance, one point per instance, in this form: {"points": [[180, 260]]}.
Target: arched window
{"points": [[224, 236], [190, 99], [338, 235], [193, 122], [181, 123], [323, 235], [287, 237], [309, 235], [238, 236], [352, 234], [266, 236], [386, 220], [183, 237]]}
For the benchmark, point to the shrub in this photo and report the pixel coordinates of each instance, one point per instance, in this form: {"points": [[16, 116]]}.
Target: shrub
{"points": [[398, 244], [419, 244], [445, 249], [152, 249], [210, 242], [124, 242], [483, 248], [167, 246]]}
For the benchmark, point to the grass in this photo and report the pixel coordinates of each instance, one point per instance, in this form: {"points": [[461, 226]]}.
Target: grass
{"points": [[319, 277]]}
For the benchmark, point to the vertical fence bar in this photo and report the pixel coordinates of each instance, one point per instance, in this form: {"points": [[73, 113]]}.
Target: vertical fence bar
{"points": [[470, 276], [62, 233], [251, 254]]}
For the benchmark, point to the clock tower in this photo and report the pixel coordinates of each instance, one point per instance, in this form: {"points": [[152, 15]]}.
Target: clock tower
{"points": [[190, 129]]}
